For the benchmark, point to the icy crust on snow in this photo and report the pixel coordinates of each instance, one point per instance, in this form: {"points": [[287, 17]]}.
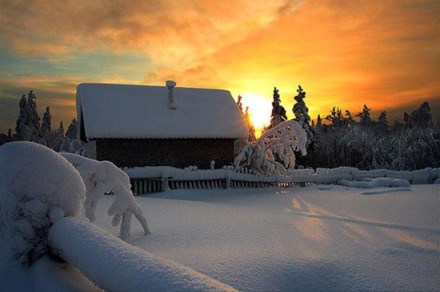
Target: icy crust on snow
{"points": [[121, 266], [321, 175], [131, 111], [37, 187]]}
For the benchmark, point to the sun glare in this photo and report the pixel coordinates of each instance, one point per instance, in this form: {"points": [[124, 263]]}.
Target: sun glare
{"points": [[259, 109]]}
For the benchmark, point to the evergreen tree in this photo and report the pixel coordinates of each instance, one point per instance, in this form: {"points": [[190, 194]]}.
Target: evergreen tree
{"points": [[300, 109], [419, 118], [278, 112], [349, 121], [22, 129], [301, 112], [33, 118], [72, 130], [61, 129], [364, 116], [46, 125], [239, 103], [382, 122], [335, 117], [249, 125], [319, 122]]}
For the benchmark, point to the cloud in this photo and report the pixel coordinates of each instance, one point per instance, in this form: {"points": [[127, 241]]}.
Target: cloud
{"points": [[345, 53], [172, 33]]}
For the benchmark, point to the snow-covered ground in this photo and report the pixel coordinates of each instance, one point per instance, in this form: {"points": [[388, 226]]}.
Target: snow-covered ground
{"points": [[323, 237]]}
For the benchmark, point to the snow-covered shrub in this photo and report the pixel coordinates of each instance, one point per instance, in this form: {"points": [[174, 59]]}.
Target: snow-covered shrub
{"points": [[273, 152], [101, 177], [37, 187], [421, 176], [74, 146]]}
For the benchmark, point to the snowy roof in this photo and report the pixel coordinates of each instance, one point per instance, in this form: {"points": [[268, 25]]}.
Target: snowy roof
{"points": [[134, 111]]}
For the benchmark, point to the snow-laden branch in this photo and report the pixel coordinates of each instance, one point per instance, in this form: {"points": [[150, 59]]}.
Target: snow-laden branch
{"points": [[273, 152], [101, 177]]}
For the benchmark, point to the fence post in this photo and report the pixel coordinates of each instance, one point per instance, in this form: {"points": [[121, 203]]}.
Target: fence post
{"points": [[227, 180], [165, 186]]}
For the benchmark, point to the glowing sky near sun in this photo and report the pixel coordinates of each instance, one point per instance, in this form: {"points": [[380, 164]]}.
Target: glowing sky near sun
{"points": [[344, 53]]}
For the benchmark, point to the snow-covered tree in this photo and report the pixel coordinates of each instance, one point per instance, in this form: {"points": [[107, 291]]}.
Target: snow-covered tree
{"points": [[419, 118], [33, 197], [72, 130], [28, 121], [46, 125], [101, 177], [301, 112], [61, 129], [273, 153], [33, 118], [249, 125], [239, 103], [278, 112], [349, 120], [22, 130], [300, 109], [364, 116], [335, 117], [382, 122]]}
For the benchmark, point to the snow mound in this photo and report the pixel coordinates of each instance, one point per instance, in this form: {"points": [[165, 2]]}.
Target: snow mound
{"points": [[123, 267], [37, 187], [370, 183]]}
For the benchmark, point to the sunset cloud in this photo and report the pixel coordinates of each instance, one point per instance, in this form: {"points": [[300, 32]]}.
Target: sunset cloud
{"points": [[344, 53]]}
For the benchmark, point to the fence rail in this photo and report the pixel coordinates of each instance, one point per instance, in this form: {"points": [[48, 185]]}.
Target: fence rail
{"points": [[156, 185], [225, 179]]}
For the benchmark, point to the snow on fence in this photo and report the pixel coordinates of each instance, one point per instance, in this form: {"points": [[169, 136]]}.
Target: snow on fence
{"points": [[145, 180]]}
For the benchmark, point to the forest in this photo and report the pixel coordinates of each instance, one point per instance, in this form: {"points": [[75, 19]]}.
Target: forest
{"points": [[338, 139], [359, 140]]}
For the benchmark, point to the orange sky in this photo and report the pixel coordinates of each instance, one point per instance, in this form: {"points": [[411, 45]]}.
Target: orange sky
{"points": [[385, 53]]}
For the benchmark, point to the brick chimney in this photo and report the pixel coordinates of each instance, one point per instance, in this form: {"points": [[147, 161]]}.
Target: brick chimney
{"points": [[171, 97]]}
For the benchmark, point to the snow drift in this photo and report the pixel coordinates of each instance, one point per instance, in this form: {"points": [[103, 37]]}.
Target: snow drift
{"points": [[123, 267], [37, 187]]}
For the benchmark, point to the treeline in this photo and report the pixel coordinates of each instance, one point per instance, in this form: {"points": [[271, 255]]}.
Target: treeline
{"points": [[30, 127], [343, 139]]}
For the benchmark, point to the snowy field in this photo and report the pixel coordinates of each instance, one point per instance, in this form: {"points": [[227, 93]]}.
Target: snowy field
{"points": [[315, 238]]}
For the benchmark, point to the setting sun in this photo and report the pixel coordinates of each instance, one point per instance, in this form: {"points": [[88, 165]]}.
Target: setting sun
{"points": [[259, 110]]}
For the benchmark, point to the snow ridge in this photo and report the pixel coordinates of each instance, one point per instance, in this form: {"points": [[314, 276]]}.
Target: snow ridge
{"points": [[123, 267]]}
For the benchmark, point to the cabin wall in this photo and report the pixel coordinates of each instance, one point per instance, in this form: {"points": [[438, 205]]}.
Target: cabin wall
{"points": [[170, 152]]}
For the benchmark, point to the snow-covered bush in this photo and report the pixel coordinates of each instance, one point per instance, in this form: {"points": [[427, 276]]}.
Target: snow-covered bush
{"points": [[37, 187], [273, 152], [101, 177], [75, 146]]}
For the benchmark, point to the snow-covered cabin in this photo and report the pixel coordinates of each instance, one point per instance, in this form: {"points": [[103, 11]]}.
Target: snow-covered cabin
{"points": [[133, 125]]}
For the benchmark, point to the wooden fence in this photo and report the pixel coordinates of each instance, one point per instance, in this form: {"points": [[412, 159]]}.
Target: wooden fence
{"points": [[225, 179], [155, 185]]}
